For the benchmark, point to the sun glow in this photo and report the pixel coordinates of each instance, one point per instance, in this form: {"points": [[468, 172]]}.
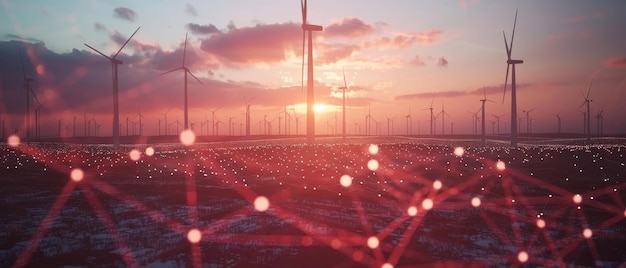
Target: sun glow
{"points": [[319, 107]]}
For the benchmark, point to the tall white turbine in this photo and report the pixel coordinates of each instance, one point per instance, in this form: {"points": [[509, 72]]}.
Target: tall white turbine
{"points": [[116, 109], [588, 114], [186, 71], [310, 112], [510, 62]]}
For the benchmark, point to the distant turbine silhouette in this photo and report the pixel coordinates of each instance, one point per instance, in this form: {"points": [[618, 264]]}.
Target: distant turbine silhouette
{"points": [[482, 138], [344, 88], [409, 125], [116, 111], [510, 62], [498, 121], [310, 28], [558, 122], [528, 118], [432, 117], [29, 90], [588, 114], [186, 71], [443, 114]]}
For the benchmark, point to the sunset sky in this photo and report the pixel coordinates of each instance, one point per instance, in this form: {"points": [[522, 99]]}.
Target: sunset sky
{"points": [[397, 55]]}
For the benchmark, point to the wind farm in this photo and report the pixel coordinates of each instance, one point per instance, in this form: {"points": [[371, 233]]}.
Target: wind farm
{"points": [[227, 172]]}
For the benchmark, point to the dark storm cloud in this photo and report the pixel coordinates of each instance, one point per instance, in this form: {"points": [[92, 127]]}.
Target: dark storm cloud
{"points": [[202, 29]]}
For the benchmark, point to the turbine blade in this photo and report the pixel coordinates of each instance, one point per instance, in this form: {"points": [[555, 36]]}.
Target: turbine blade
{"points": [[345, 84], [589, 90], [172, 70], [189, 72], [303, 7], [513, 34], [582, 104], [185, 49], [431, 103], [97, 51], [22, 60], [302, 76], [506, 46], [506, 80], [118, 52]]}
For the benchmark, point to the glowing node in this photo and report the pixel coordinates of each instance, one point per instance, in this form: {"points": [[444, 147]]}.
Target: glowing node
{"points": [[577, 198], [13, 141], [387, 265], [149, 151], [134, 154], [437, 185], [335, 243], [77, 174], [475, 202], [373, 149], [194, 236], [427, 204], [345, 181], [587, 233], [500, 165], [625, 213], [372, 165], [372, 242], [541, 223], [522, 256], [40, 69], [261, 203], [459, 151], [187, 137], [412, 211]]}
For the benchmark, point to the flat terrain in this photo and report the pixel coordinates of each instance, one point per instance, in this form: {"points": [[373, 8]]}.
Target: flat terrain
{"points": [[280, 203]]}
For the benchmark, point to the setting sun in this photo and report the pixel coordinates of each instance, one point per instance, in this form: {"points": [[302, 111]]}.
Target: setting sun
{"points": [[319, 107]]}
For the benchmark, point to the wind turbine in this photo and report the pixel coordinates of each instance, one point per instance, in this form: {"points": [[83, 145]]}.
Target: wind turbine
{"points": [[310, 28], [588, 114], [558, 122], [498, 121], [389, 122], [510, 62], [528, 118], [186, 71], [408, 121], [600, 118], [443, 121], [166, 125], [432, 117], [116, 110], [344, 88], [482, 138], [29, 90], [213, 118]]}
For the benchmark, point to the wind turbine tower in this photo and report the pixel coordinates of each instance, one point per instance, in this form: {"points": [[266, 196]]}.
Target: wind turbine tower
{"points": [[309, 28], [588, 114], [510, 62], [344, 88], [29, 91], [116, 110], [482, 125]]}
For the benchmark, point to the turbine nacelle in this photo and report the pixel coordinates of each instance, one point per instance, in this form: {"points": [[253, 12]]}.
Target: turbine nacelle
{"points": [[514, 61], [311, 27]]}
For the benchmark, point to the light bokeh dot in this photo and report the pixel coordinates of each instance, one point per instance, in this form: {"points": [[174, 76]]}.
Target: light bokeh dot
{"points": [[149, 151], [345, 180], [187, 137], [522, 256], [541, 223], [372, 165], [13, 141], [437, 184], [386, 265], [372, 242], [373, 149], [577, 198], [135, 155], [261, 203], [587, 233], [625, 213], [194, 236], [412, 211], [500, 165], [335, 243], [459, 151], [475, 202], [427, 204], [77, 174]]}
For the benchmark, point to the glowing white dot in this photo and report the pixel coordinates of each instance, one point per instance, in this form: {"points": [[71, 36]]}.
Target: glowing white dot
{"points": [[459, 151], [13, 141], [372, 165], [577, 198], [345, 181], [372, 242], [149, 151], [373, 149], [625, 213], [427, 204], [437, 185], [194, 236], [475, 202], [387, 265], [187, 137], [77, 174], [261, 203], [587, 233], [412, 211], [541, 223], [134, 154], [522, 256], [500, 165]]}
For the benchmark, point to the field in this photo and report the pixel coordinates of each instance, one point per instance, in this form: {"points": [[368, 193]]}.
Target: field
{"points": [[364, 202]]}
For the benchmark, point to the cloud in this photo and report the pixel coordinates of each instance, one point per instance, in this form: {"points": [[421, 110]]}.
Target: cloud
{"points": [[191, 10], [99, 27], [202, 29], [125, 13], [453, 93], [334, 53], [417, 61], [22, 38], [263, 43], [406, 40], [584, 18], [349, 28], [442, 62], [568, 36], [616, 62]]}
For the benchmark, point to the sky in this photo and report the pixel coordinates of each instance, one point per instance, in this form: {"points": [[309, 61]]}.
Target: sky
{"points": [[398, 57]]}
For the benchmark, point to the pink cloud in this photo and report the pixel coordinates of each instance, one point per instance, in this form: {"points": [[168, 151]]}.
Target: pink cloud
{"points": [[617, 62], [417, 61], [335, 52], [348, 27], [406, 40]]}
